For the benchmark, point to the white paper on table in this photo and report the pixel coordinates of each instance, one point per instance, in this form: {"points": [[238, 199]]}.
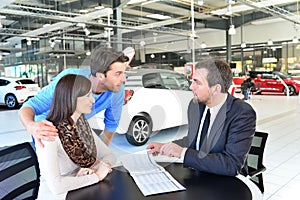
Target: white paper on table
{"points": [[150, 177]]}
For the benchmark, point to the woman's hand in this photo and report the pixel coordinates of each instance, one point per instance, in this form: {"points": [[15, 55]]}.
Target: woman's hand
{"points": [[85, 171], [103, 170]]}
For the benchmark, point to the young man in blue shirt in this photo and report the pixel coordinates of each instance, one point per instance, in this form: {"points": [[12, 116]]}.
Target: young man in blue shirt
{"points": [[107, 75]]}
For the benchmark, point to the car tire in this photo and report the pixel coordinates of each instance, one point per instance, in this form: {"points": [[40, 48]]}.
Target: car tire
{"points": [[291, 89], [139, 131], [11, 101]]}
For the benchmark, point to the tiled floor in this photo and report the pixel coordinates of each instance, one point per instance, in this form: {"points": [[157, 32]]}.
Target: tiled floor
{"points": [[277, 115]]}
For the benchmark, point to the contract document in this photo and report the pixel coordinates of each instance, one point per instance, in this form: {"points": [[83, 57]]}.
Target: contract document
{"points": [[150, 177]]}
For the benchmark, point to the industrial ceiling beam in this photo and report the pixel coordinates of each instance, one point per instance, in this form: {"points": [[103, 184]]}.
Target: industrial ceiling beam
{"points": [[268, 7]]}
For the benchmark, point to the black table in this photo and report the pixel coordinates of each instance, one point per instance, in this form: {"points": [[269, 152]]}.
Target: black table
{"points": [[120, 185]]}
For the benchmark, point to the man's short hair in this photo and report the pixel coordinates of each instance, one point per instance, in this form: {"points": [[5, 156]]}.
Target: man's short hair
{"points": [[103, 57], [219, 72]]}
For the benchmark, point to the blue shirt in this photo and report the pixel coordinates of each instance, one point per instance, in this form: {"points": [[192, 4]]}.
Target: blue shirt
{"points": [[109, 101]]}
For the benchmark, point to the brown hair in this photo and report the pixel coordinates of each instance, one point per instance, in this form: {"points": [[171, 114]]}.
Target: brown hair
{"points": [[103, 57], [64, 102], [219, 72]]}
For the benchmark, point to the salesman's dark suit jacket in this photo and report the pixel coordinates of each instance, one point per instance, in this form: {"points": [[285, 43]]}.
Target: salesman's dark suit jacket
{"points": [[225, 150]]}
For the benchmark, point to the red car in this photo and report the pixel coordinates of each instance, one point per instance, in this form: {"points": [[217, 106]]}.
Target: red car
{"points": [[272, 82], [277, 82]]}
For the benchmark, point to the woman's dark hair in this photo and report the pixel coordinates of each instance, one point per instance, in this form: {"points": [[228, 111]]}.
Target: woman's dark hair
{"points": [[64, 102]]}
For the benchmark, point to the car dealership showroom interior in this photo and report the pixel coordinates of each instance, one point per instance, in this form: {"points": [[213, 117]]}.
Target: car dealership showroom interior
{"points": [[163, 41]]}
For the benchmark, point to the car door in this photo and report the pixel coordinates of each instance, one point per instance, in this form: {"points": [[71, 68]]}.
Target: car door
{"points": [[177, 86], [3, 84], [271, 83], [164, 97], [149, 99]]}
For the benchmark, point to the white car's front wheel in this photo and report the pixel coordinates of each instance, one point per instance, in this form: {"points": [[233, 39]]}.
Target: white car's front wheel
{"points": [[139, 131], [11, 101]]}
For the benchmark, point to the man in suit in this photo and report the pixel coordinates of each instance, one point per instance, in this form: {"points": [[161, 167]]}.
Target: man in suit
{"points": [[230, 125]]}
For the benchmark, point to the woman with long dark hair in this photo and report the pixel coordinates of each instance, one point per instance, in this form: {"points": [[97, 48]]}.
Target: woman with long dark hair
{"points": [[78, 157]]}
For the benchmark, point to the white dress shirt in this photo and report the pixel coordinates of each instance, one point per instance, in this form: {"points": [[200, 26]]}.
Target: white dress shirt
{"points": [[213, 114]]}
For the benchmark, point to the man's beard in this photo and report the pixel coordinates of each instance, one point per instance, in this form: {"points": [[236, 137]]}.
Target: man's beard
{"points": [[97, 93], [195, 99], [103, 88]]}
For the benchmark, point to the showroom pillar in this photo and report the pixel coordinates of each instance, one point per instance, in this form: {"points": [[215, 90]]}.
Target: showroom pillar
{"points": [[118, 16], [228, 47], [193, 35]]}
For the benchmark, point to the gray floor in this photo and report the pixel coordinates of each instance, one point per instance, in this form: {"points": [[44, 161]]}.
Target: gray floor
{"points": [[277, 115]]}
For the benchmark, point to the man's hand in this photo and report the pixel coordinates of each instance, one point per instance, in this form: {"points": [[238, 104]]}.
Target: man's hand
{"points": [[171, 149], [154, 148], [42, 130]]}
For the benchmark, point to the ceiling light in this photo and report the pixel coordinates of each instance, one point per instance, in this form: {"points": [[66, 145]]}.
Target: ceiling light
{"points": [[81, 25], [86, 31], [99, 7], [249, 49], [267, 21], [28, 42], [270, 42], [142, 43], [231, 30], [46, 25], [200, 2], [295, 39], [148, 2], [203, 45], [152, 56], [158, 16], [88, 53], [83, 11], [52, 44], [1, 25], [135, 1], [105, 34], [243, 45]]}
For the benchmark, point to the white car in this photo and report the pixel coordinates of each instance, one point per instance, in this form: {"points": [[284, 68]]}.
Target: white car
{"points": [[15, 91], [155, 99]]}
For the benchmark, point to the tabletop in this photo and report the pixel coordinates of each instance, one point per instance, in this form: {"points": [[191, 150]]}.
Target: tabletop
{"points": [[120, 185]]}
